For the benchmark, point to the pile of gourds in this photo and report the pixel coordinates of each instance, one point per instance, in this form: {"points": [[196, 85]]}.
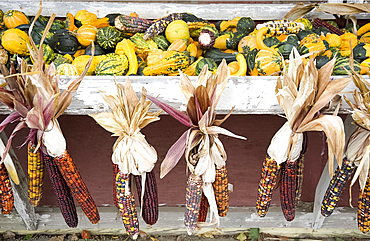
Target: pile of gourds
{"points": [[130, 45]]}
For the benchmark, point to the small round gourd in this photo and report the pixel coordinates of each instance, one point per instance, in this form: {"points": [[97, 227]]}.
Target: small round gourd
{"points": [[86, 34], [67, 69], [14, 18], [177, 29], [334, 40], [15, 41], [268, 62], [108, 37]]}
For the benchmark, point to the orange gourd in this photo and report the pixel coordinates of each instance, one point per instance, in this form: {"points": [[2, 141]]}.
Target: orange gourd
{"points": [[85, 17], [86, 34], [14, 18], [178, 45]]}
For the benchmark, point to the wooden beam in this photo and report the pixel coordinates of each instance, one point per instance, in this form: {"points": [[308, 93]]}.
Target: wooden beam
{"points": [[25, 210]]}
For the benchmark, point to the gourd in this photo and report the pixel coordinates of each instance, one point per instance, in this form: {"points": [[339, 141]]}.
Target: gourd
{"points": [[101, 23], [285, 49], [81, 61], [70, 22], [37, 34], [3, 56], [246, 44], [271, 41], [59, 60], [85, 17], [41, 21], [365, 66], [245, 25], [321, 61], [82, 52], [334, 40], [56, 25], [67, 69], [142, 46], [171, 62], [48, 52], [178, 45], [365, 38], [190, 71], [251, 62], [108, 37], [365, 28], [349, 40], [195, 33], [98, 50], [233, 67], [13, 18], [229, 25], [212, 66], [66, 43], [160, 25], [242, 71], [127, 48], [343, 62], [361, 52], [15, 41], [86, 34], [268, 62], [217, 55], [228, 40], [193, 50], [314, 47], [177, 29], [112, 66], [161, 42], [307, 23], [310, 38]]}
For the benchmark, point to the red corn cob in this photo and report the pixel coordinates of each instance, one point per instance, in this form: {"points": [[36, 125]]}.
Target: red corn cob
{"points": [[203, 210], [150, 202], [267, 184], [6, 191], [221, 188], [62, 192], [115, 171], [363, 208], [317, 22], [288, 183], [193, 199], [126, 204], [35, 174], [77, 186]]}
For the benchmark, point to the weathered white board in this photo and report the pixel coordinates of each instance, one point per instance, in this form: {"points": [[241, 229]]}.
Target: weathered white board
{"points": [[154, 10]]}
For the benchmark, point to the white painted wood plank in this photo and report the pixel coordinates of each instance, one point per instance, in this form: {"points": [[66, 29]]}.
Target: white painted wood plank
{"points": [[20, 192], [217, 11]]}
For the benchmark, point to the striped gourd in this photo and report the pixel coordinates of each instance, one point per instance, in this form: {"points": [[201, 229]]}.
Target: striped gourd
{"points": [[35, 174], [6, 191], [126, 204], [203, 209], [221, 189], [363, 208], [336, 187], [67, 69], [193, 199], [111, 66], [171, 62], [79, 190], [108, 37], [150, 200], [343, 62], [288, 183], [267, 184], [159, 25], [62, 192]]}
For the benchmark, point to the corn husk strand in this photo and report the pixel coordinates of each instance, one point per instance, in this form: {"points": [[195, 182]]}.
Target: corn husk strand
{"points": [[203, 150], [305, 94]]}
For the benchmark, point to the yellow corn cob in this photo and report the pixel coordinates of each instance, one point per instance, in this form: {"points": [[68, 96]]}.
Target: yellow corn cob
{"points": [[193, 199], [221, 188], [35, 174], [278, 27]]}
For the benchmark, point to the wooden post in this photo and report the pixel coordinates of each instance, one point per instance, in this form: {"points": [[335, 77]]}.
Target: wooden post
{"points": [[324, 181], [20, 192]]}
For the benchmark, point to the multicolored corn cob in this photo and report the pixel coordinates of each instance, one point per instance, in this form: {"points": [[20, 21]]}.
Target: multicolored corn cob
{"points": [[6, 191], [132, 24], [160, 25], [363, 208], [221, 189], [193, 199], [203, 210], [267, 184], [126, 204], [318, 22], [77, 186], [288, 184], [278, 27], [35, 174], [115, 171], [336, 187], [62, 192], [300, 168], [150, 200]]}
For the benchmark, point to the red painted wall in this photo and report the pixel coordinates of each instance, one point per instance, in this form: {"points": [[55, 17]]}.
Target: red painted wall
{"points": [[91, 148]]}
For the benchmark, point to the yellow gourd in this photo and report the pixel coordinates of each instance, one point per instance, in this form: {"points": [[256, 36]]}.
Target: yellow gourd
{"points": [[177, 29], [81, 61], [15, 41], [85, 17], [127, 47], [242, 71]]}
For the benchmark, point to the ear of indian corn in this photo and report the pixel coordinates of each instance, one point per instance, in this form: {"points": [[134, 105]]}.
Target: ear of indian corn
{"points": [[35, 174], [203, 209], [150, 200], [6, 191], [193, 199], [159, 25], [267, 184], [363, 208], [62, 192], [221, 189], [115, 171], [318, 22], [77, 186], [336, 187], [278, 27], [288, 183], [300, 168], [126, 204]]}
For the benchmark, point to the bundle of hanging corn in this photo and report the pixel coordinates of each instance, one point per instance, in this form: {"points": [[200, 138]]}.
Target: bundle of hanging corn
{"points": [[357, 155], [34, 96], [133, 157], [204, 152], [304, 93]]}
